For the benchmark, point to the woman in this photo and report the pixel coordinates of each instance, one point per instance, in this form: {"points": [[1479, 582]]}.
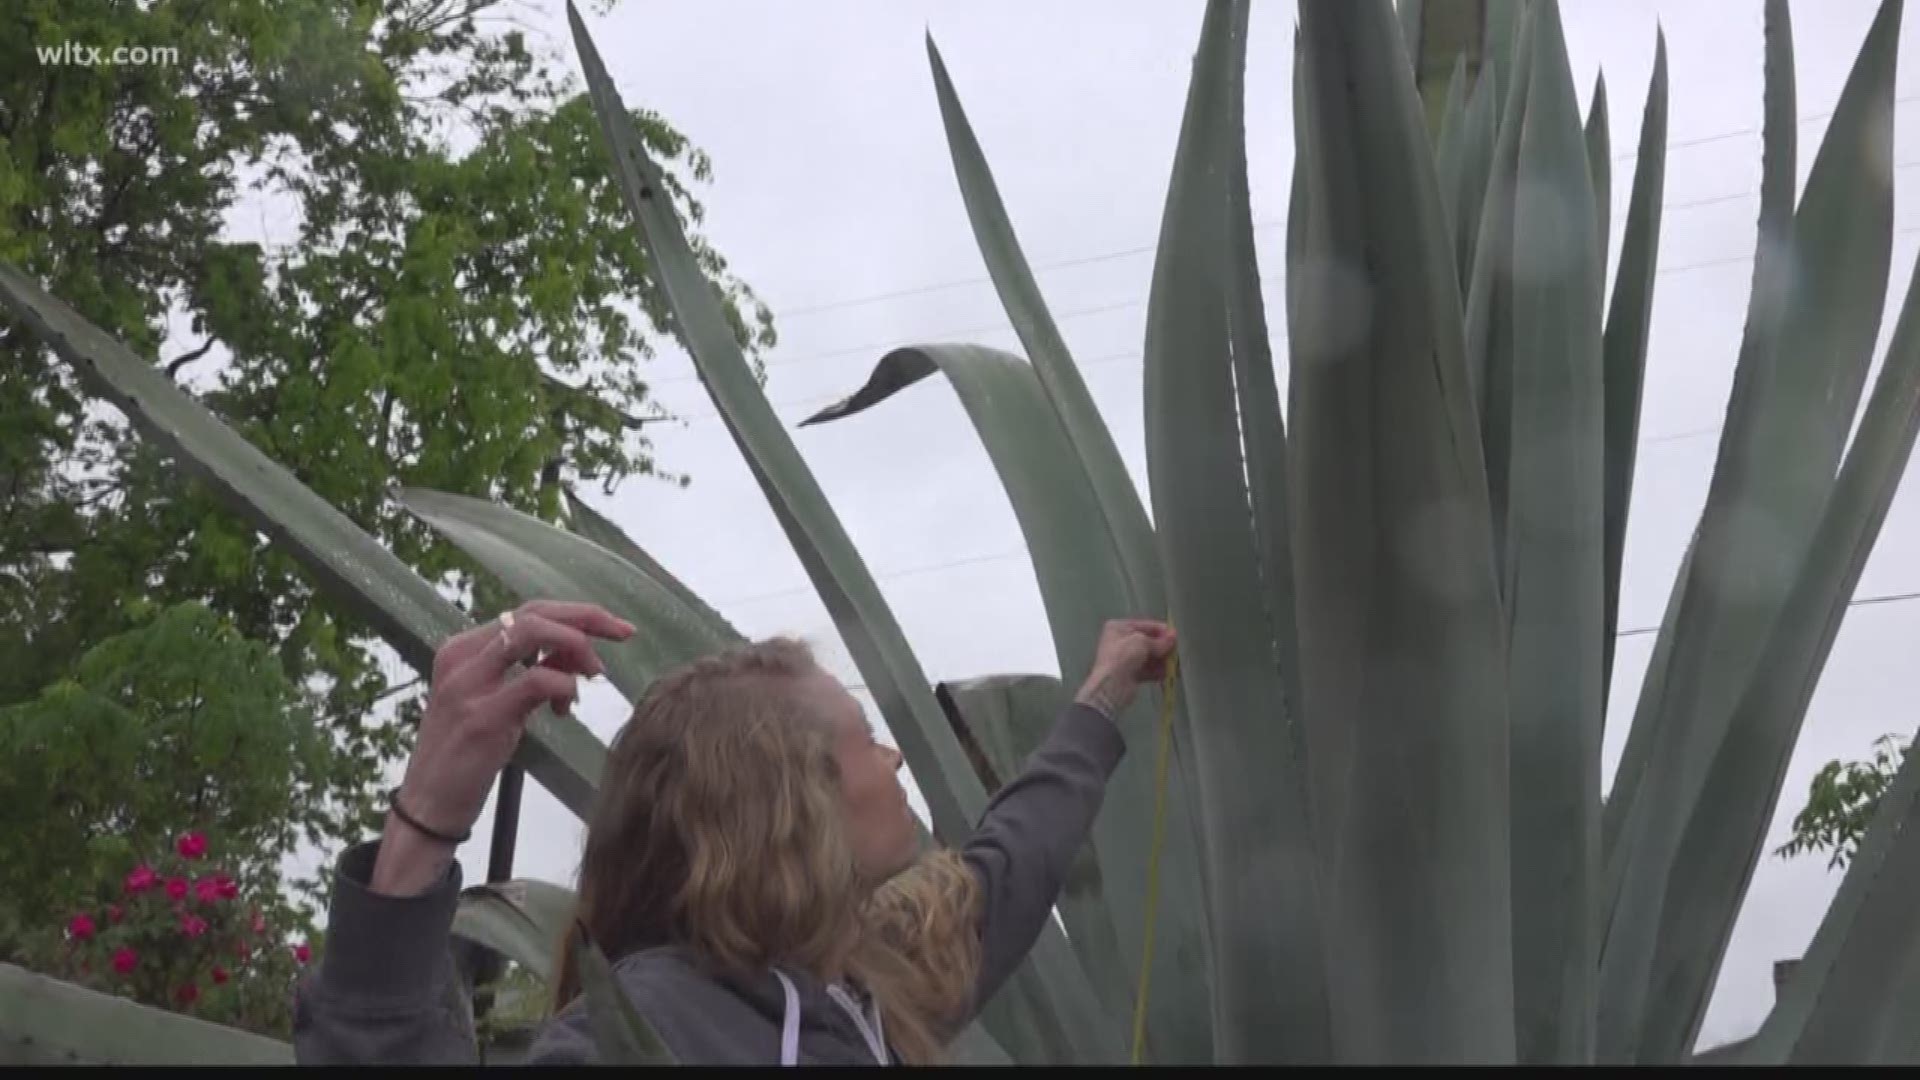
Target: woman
{"points": [[751, 867]]}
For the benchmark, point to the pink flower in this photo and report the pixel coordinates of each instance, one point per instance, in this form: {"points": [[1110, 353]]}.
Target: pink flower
{"points": [[302, 953], [224, 887], [177, 888], [187, 994], [124, 960], [206, 890], [192, 925], [142, 879], [114, 913], [191, 846], [80, 927], [219, 974]]}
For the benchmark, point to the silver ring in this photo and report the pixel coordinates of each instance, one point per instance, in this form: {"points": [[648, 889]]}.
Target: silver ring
{"points": [[506, 624]]}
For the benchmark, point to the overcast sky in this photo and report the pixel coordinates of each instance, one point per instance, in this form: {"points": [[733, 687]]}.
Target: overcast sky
{"points": [[834, 198]]}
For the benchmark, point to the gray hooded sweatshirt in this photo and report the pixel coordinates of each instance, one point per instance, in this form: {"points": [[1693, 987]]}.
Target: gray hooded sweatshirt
{"points": [[386, 991]]}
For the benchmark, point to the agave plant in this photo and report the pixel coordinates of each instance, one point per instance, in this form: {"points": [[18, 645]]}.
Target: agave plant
{"points": [[1397, 597]]}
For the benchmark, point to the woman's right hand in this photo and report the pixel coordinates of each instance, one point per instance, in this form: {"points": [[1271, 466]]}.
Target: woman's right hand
{"points": [[1130, 652], [476, 712]]}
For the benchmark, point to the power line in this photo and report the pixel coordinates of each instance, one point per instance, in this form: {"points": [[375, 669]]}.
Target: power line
{"points": [[1863, 601], [1684, 268], [1702, 140], [939, 286], [1123, 305], [1108, 256], [1021, 551]]}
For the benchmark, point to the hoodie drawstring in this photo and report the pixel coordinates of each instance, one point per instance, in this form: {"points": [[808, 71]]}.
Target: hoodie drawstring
{"points": [[872, 1031]]}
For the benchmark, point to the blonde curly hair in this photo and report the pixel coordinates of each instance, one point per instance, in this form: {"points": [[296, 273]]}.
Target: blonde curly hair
{"points": [[719, 827]]}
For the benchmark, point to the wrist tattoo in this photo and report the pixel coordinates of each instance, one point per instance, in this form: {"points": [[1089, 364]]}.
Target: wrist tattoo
{"points": [[1102, 699]]}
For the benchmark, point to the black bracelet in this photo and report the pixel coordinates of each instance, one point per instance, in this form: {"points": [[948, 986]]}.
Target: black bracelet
{"points": [[393, 803]]}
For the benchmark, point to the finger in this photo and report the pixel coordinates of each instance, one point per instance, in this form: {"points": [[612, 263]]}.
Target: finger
{"points": [[536, 639], [455, 652], [1151, 628], [1163, 645], [590, 619], [526, 691]]}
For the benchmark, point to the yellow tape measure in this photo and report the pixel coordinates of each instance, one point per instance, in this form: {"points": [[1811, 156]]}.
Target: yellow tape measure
{"points": [[1153, 855]]}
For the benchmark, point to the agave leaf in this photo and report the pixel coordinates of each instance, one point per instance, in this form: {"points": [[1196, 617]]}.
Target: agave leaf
{"points": [[976, 1046], [533, 558], [1599, 149], [620, 1034], [1126, 520], [1263, 435], [865, 622], [353, 568], [1450, 146], [48, 1022], [1504, 29], [1488, 312], [1624, 346], [1469, 192], [1412, 14], [1640, 848], [595, 527], [1844, 231], [1816, 315], [1640, 736], [1269, 1003], [522, 920], [1553, 567], [1384, 449], [1082, 585]]}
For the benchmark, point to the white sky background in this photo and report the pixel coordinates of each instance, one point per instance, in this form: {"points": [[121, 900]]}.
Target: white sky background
{"points": [[832, 184]]}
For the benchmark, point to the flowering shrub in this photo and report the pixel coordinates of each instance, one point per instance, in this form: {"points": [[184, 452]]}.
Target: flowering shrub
{"points": [[183, 935]]}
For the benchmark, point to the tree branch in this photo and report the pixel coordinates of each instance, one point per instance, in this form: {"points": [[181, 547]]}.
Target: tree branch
{"points": [[627, 420], [174, 365]]}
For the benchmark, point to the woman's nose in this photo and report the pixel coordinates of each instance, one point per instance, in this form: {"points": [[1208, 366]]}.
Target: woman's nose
{"points": [[897, 759]]}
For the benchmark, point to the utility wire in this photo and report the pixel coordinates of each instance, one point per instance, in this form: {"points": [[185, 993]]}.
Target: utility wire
{"points": [[881, 347], [706, 415], [1862, 601]]}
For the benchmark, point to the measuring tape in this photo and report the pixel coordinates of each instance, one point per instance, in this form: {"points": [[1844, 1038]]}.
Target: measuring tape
{"points": [[1153, 855]]}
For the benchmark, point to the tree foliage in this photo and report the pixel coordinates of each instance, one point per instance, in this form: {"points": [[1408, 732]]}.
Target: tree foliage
{"points": [[177, 725], [380, 239], [1841, 803]]}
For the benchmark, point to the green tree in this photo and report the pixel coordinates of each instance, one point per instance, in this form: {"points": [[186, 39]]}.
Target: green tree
{"points": [[176, 726], [1841, 803], [455, 310]]}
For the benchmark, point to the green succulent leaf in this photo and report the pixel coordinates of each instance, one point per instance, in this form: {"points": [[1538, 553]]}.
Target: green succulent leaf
{"points": [[1820, 285], [595, 527], [523, 920], [620, 1034], [535, 559], [1624, 346], [1553, 566], [402, 607], [1418, 932], [866, 624], [1082, 585]]}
